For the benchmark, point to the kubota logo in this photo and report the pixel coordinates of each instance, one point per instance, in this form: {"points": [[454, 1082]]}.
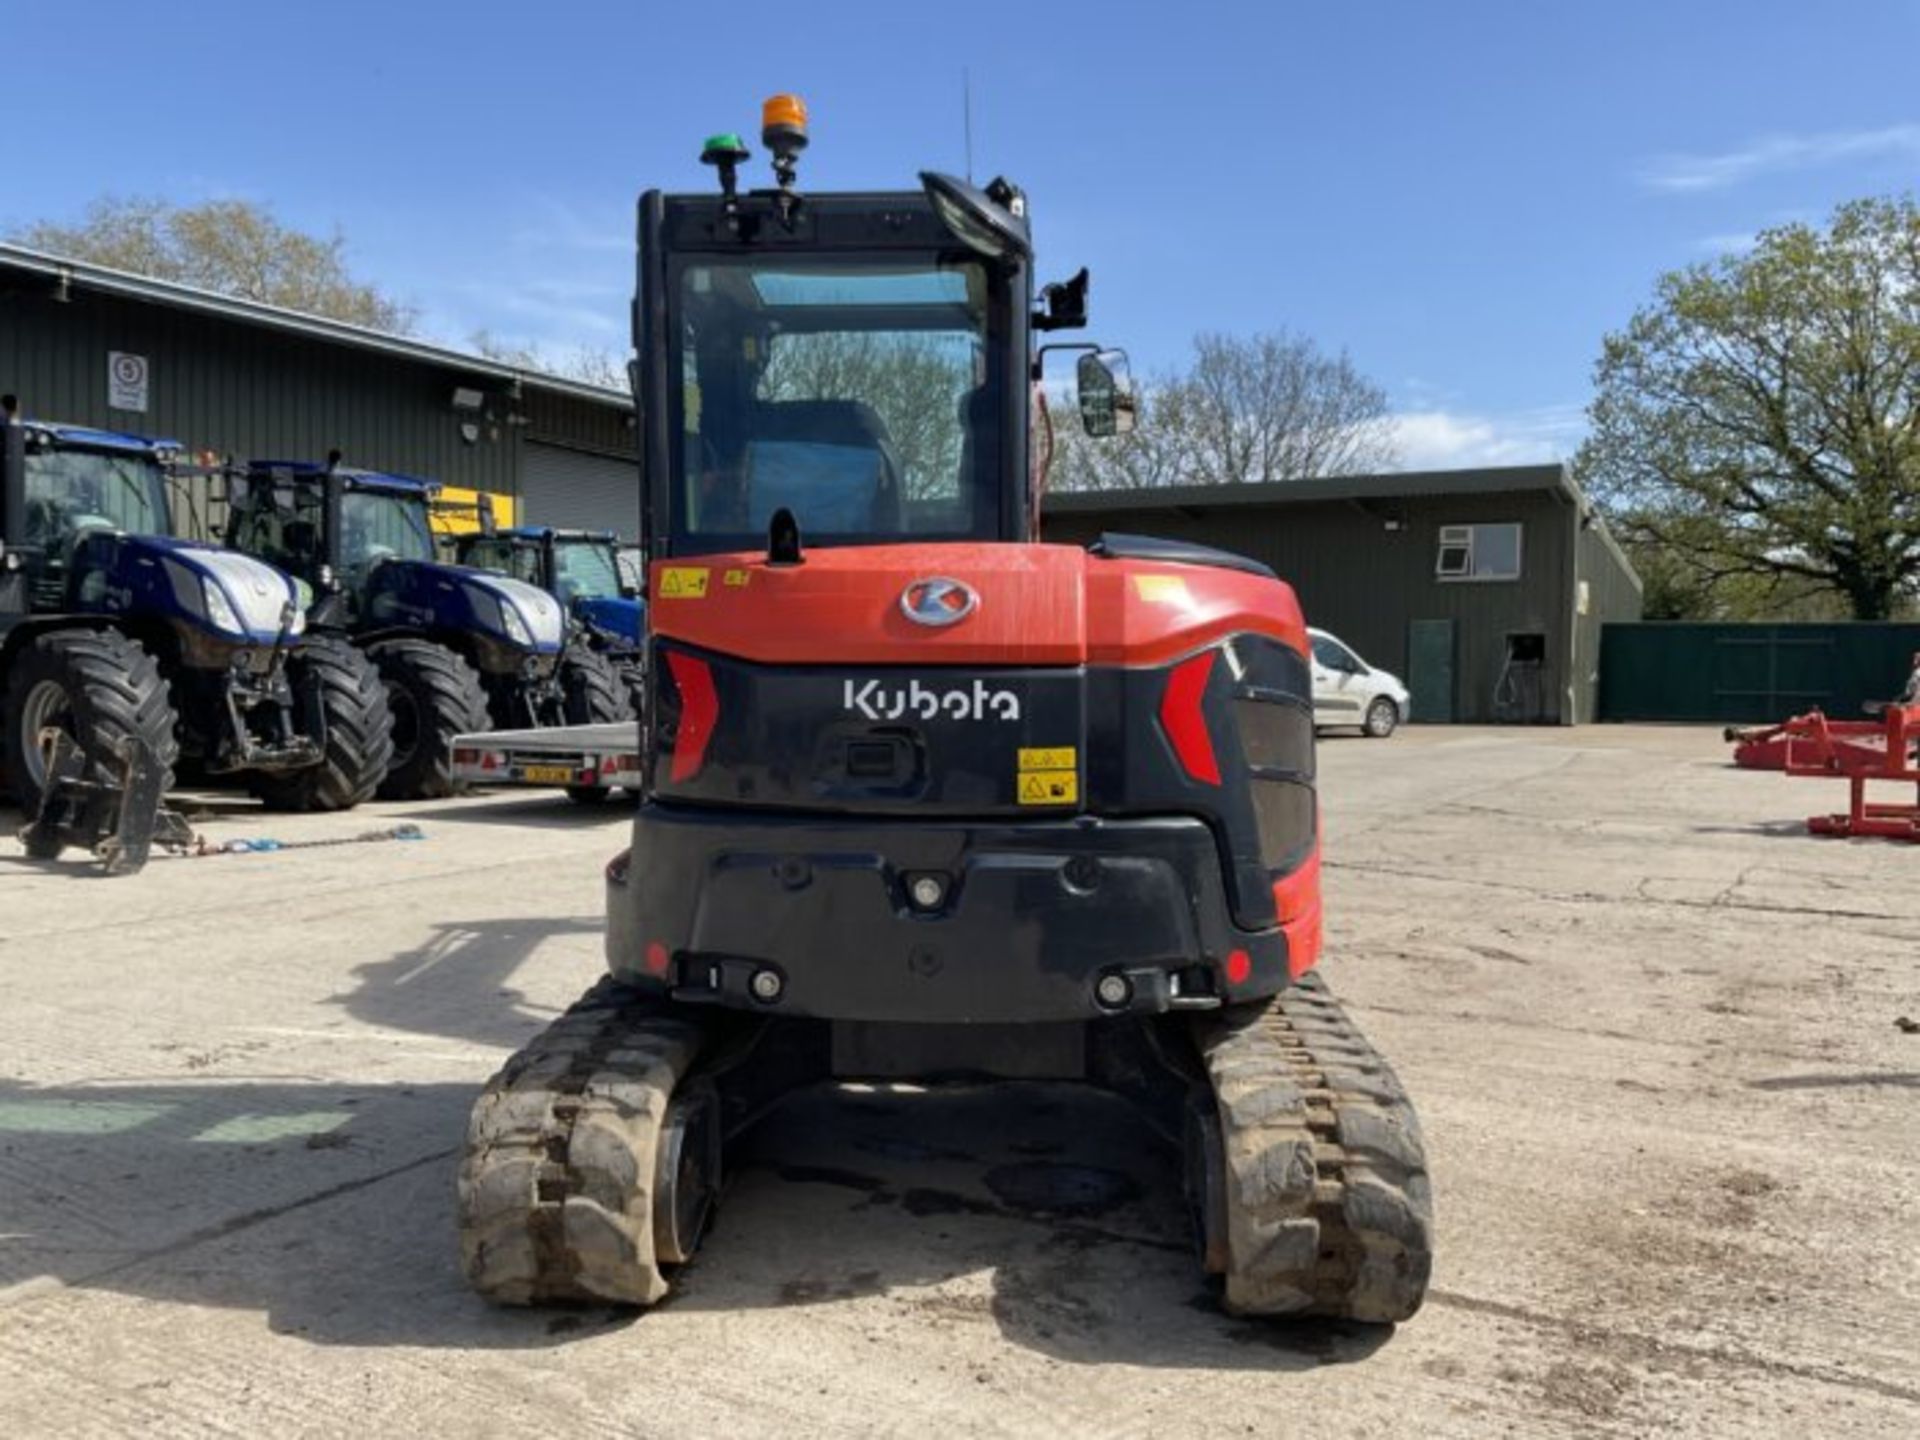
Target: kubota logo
{"points": [[938, 601], [876, 701]]}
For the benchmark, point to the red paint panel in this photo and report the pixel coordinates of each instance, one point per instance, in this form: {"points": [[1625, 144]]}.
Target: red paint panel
{"points": [[1038, 605], [1296, 895], [1185, 721], [699, 709]]}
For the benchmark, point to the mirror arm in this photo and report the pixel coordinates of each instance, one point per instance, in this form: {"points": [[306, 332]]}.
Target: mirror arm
{"points": [[1040, 355]]}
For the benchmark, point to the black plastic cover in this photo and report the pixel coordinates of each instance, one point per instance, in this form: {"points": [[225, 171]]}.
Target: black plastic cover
{"points": [[1179, 552]]}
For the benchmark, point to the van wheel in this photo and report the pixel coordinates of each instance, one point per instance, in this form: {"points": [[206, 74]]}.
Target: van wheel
{"points": [[1383, 718]]}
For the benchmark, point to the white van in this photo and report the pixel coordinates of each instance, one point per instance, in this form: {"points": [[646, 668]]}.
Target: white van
{"points": [[1348, 691]]}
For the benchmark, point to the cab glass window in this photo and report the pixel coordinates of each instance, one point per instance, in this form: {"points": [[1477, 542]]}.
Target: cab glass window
{"points": [[854, 393]]}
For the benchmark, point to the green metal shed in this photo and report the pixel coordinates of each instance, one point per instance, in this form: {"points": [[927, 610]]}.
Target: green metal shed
{"points": [[1484, 589], [95, 346]]}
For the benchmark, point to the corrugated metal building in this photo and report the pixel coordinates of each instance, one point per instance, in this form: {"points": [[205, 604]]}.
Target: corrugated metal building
{"points": [[93, 346], [1484, 589]]}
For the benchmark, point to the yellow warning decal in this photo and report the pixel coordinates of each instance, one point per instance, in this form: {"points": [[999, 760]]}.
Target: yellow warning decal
{"points": [[1058, 757], [1050, 787], [735, 579], [1164, 589], [683, 582]]}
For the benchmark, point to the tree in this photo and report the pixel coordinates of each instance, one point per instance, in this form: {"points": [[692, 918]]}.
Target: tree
{"points": [[1675, 586], [232, 246], [1759, 422], [1155, 453], [1271, 406], [914, 382], [588, 364]]}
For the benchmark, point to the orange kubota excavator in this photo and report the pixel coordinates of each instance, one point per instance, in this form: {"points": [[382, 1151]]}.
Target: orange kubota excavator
{"points": [[926, 797]]}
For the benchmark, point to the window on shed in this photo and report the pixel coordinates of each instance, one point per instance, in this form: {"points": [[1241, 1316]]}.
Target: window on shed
{"points": [[1479, 552]]}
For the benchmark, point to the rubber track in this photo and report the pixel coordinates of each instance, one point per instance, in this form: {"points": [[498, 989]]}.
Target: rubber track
{"points": [[557, 1181], [358, 724], [1328, 1206]]}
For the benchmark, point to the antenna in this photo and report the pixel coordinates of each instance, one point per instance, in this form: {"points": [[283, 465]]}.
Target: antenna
{"points": [[966, 116]]}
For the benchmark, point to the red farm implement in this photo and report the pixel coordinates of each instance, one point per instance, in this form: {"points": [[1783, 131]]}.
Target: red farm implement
{"points": [[1858, 751]]}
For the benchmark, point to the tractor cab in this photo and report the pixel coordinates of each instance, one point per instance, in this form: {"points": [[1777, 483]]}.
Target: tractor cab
{"points": [[66, 482], [329, 525], [579, 568], [85, 532]]}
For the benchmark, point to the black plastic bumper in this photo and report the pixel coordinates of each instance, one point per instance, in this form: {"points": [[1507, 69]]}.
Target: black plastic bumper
{"points": [[820, 918]]}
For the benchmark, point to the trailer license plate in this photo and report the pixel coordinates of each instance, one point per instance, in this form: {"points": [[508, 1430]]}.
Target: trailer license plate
{"points": [[548, 774]]}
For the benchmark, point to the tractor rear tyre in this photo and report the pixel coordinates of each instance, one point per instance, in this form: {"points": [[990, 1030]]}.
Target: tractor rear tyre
{"points": [[634, 676], [591, 689], [100, 687], [592, 693], [434, 695], [330, 675]]}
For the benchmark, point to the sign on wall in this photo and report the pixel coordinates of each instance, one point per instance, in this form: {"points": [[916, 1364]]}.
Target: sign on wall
{"points": [[126, 381]]}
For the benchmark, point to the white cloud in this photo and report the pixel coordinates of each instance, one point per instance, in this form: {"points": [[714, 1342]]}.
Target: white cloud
{"points": [[1770, 153], [552, 223], [1452, 440], [557, 306]]}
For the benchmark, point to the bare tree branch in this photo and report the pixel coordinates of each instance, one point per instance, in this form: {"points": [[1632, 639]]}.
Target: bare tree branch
{"points": [[232, 246], [1264, 407]]}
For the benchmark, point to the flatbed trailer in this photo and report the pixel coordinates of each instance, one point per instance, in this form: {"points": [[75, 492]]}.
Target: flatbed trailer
{"points": [[580, 759]]}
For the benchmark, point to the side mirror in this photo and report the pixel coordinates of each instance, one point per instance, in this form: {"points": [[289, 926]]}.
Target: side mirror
{"points": [[1108, 406]]}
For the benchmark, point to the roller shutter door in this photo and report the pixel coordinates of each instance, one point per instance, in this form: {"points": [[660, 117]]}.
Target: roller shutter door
{"points": [[573, 490]]}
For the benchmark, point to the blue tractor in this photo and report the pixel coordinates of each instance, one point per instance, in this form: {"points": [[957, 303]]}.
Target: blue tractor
{"points": [[582, 570], [131, 642], [460, 649]]}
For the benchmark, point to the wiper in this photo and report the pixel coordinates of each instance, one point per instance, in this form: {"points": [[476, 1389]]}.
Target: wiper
{"points": [[125, 475]]}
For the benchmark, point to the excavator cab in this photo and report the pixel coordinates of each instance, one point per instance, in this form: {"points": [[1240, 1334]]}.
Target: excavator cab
{"points": [[863, 371]]}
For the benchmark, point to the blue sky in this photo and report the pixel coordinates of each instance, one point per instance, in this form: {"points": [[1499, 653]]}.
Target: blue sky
{"points": [[1464, 196]]}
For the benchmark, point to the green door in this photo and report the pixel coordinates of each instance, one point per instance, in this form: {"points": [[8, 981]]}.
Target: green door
{"points": [[1430, 669]]}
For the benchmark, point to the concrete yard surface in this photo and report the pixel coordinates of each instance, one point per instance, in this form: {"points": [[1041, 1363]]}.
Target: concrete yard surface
{"points": [[1651, 1027]]}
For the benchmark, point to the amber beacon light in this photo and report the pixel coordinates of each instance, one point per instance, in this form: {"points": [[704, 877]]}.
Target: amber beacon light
{"points": [[784, 119]]}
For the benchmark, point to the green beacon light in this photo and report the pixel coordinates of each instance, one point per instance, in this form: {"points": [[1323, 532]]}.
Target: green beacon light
{"points": [[727, 152]]}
